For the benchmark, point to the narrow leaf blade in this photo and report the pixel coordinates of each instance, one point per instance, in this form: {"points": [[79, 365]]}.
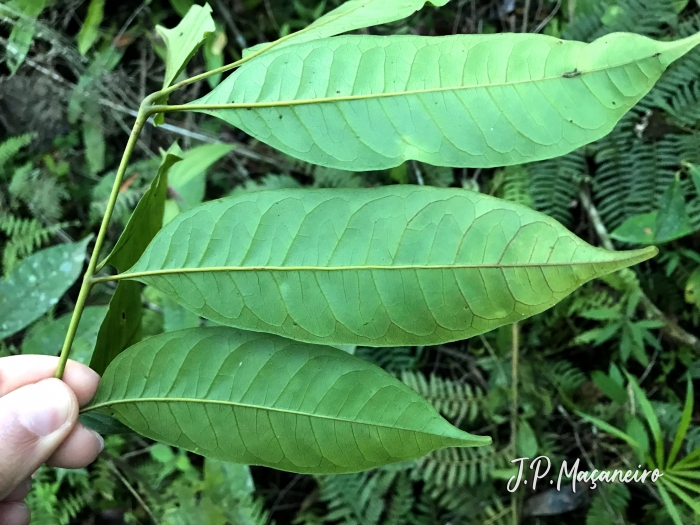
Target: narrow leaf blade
{"points": [[683, 426], [364, 102], [263, 400], [391, 266], [145, 221]]}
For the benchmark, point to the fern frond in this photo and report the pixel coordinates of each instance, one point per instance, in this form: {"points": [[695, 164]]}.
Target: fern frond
{"points": [[393, 359], [454, 400], [515, 185], [10, 147], [44, 502], [333, 178], [568, 377], [554, 184], [356, 499], [25, 236], [268, 182], [400, 502], [458, 467], [608, 505]]}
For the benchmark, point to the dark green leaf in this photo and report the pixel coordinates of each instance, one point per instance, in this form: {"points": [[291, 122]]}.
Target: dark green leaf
{"points": [[121, 326], [683, 425], [146, 220], [103, 424], [672, 220], [609, 387], [37, 283]]}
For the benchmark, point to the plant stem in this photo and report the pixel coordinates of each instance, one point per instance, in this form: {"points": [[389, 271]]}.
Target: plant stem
{"points": [[515, 354], [87, 278]]}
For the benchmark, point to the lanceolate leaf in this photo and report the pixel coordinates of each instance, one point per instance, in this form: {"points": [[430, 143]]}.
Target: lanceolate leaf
{"points": [[262, 400], [122, 325], [370, 102], [392, 266], [37, 283], [146, 220], [354, 14]]}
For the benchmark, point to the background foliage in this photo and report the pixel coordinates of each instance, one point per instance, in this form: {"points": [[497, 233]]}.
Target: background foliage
{"points": [[73, 74]]}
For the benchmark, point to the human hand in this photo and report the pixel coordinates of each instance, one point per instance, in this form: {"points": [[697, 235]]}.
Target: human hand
{"points": [[39, 424]]}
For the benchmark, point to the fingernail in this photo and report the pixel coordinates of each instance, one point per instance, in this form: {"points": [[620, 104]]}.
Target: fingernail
{"points": [[100, 439], [45, 407]]}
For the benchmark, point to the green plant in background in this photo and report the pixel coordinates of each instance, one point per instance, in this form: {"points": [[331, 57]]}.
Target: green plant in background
{"points": [[393, 267]]}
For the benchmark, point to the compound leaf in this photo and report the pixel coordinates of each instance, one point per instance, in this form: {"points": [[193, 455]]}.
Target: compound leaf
{"points": [[391, 266], [362, 102], [354, 14], [37, 283], [260, 399]]}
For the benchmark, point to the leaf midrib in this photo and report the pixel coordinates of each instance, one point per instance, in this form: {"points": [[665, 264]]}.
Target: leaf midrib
{"points": [[107, 404], [350, 98], [169, 271]]}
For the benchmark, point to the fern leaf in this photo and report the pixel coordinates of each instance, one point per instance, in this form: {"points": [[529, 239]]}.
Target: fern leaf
{"points": [[454, 400]]}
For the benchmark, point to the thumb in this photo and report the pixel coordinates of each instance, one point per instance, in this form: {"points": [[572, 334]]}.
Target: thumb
{"points": [[34, 421]]}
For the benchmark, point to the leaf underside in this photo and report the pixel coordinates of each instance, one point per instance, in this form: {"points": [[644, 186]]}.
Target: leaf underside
{"points": [[262, 400], [392, 266], [371, 102]]}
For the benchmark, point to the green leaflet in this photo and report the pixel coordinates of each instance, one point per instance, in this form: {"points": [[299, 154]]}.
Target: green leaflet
{"points": [[259, 399], [122, 325], [391, 266], [370, 102], [354, 14], [146, 220], [37, 283]]}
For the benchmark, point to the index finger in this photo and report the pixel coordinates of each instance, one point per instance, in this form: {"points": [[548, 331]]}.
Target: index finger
{"points": [[19, 370]]}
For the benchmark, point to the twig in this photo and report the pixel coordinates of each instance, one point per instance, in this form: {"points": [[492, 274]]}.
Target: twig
{"points": [[133, 491], [549, 17], [231, 23], [514, 405], [670, 328], [526, 14]]}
